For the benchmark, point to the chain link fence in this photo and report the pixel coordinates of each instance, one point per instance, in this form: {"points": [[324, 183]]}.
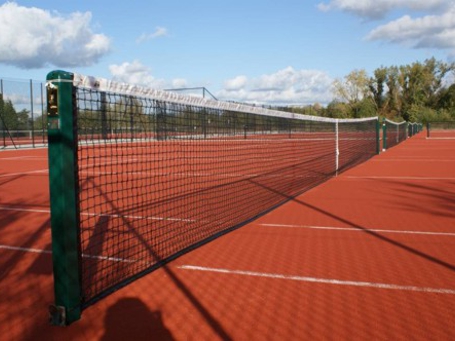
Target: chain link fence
{"points": [[23, 121]]}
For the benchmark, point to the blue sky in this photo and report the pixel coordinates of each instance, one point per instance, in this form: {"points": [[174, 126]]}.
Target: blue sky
{"points": [[277, 52]]}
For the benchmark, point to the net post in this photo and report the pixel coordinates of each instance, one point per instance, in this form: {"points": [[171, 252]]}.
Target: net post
{"points": [[103, 109], [63, 198], [397, 138], [337, 148], [428, 130], [32, 123], [384, 136], [378, 138]]}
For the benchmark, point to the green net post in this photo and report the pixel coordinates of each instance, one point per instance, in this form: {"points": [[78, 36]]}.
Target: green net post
{"points": [[428, 129], [63, 199], [384, 135], [378, 138]]}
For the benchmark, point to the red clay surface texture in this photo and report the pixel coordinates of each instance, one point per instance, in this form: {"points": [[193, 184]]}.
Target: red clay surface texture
{"points": [[367, 255]]}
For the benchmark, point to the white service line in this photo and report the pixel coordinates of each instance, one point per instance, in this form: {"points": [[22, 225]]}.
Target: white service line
{"points": [[263, 274], [23, 249], [412, 160], [24, 173], [354, 229], [24, 158], [22, 209], [49, 252], [417, 178], [90, 214], [321, 280]]}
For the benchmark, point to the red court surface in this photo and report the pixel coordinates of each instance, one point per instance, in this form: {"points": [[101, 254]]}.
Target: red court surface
{"points": [[369, 255]]}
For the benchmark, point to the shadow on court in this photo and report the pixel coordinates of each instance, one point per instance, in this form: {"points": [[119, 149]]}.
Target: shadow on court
{"points": [[374, 234], [130, 319]]}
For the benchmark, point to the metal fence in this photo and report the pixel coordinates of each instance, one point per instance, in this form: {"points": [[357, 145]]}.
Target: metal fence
{"points": [[23, 121]]}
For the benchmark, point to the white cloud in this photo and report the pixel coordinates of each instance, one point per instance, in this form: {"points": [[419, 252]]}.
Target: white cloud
{"points": [[287, 87], [33, 38], [284, 87], [378, 9], [134, 73], [431, 31], [139, 74], [159, 32], [434, 29], [179, 83], [236, 83]]}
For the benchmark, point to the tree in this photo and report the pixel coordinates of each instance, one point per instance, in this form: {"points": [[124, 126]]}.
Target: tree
{"points": [[446, 99], [9, 119], [421, 84], [337, 109], [392, 105], [353, 88], [377, 88]]}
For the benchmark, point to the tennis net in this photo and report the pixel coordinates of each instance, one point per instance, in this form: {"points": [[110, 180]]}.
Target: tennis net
{"points": [[147, 175], [414, 128], [393, 133], [441, 130]]}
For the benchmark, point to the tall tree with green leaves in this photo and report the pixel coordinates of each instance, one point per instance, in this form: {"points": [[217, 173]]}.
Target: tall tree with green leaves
{"points": [[353, 90], [377, 87], [9, 119]]}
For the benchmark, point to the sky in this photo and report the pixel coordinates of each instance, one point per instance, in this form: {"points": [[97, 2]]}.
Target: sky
{"points": [[285, 52]]}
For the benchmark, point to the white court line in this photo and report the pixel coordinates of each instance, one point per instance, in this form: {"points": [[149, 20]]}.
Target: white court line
{"points": [[413, 160], [24, 158], [353, 229], [90, 214], [49, 252], [321, 280], [262, 274], [24, 173], [417, 178], [19, 209], [23, 249]]}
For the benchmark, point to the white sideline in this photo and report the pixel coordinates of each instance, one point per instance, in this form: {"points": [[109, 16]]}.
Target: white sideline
{"points": [[90, 214], [49, 252], [417, 178], [306, 279], [322, 280], [353, 229]]}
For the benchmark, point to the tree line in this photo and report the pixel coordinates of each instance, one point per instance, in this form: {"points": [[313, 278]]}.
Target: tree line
{"points": [[12, 119], [418, 92]]}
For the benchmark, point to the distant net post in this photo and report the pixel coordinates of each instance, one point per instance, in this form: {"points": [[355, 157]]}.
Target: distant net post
{"points": [[63, 199], [384, 136], [378, 138]]}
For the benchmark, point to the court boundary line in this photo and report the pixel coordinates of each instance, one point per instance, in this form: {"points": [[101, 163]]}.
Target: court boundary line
{"points": [[416, 178], [24, 158], [20, 147], [412, 160], [354, 229], [330, 281], [43, 171], [49, 252], [91, 214], [328, 228]]}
